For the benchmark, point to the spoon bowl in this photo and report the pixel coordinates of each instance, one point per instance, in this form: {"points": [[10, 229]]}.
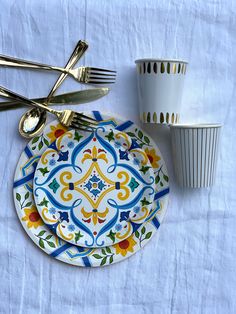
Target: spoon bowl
{"points": [[32, 123]]}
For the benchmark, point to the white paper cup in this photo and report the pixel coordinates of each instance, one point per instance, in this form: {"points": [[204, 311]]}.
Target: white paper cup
{"points": [[195, 150], [160, 89]]}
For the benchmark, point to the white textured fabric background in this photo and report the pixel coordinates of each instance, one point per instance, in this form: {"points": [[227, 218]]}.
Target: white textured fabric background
{"points": [[192, 267]]}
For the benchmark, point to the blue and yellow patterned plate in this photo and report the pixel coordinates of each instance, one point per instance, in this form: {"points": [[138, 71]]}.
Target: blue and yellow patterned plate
{"points": [[51, 244], [94, 189]]}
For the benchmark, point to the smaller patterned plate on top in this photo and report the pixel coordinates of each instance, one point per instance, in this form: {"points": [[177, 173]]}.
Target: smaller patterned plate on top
{"points": [[90, 188]]}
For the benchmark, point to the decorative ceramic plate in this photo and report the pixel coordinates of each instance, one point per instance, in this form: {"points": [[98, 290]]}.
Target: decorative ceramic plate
{"points": [[66, 252], [94, 189]]}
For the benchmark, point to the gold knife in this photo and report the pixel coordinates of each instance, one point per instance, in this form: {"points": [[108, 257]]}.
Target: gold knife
{"points": [[72, 98]]}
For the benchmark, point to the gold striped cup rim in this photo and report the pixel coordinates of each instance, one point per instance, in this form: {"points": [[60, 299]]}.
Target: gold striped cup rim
{"points": [[160, 60]]}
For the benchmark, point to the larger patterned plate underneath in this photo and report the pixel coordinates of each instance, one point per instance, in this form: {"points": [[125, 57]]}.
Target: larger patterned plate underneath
{"points": [[66, 252], [91, 188]]}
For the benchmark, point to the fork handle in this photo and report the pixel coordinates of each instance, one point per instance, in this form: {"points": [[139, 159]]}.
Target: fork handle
{"points": [[4, 92], [20, 63], [76, 55]]}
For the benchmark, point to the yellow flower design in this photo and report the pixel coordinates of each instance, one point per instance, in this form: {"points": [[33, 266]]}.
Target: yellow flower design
{"points": [[153, 157], [95, 215], [56, 131], [94, 154], [125, 246], [32, 217]]}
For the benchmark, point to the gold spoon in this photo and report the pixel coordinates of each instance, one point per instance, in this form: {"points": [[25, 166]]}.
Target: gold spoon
{"points": [[33, 121]]}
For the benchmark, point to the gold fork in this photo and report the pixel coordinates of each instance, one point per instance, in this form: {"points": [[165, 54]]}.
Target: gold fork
{"points": [[87, 75], [68, 118]]}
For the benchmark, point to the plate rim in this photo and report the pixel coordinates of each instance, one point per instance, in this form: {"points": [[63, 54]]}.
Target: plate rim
{"points": [[166, 199]]}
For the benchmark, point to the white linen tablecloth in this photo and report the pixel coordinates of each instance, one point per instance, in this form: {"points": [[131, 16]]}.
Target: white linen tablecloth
{"points": [[192, 266]]}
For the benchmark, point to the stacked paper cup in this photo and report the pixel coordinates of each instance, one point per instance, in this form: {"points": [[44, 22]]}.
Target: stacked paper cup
{"points": [[194, 146], [160, 89], [195, 150]]}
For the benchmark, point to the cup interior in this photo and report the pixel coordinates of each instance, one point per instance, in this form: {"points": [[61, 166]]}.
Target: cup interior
{"points": [[196, 125], [160, 60]]}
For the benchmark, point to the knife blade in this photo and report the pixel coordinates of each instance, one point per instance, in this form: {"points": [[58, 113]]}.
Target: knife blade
{"points": [[72, 98]]}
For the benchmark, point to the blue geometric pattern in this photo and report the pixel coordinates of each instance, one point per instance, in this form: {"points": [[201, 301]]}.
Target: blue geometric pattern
{"points": [[95, 185], [65, 251], [108, 184]]}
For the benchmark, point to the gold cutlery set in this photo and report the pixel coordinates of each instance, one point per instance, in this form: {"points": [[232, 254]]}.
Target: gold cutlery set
{"points": [[33, 121]]}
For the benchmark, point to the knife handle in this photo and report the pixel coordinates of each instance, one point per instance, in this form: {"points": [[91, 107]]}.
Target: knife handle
{"points": [[10, 105]]}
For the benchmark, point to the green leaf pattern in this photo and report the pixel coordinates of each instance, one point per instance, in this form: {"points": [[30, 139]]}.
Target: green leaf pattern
{"points": [[144, 141], [78, 235], [39, 142], [160, 177], [44, 202], [106, 256], [77, 136], [43, 170], [23, 200], [44, 241], [141, 139], [143, 235]]}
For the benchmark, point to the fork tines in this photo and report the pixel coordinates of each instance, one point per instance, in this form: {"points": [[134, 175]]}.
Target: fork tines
{"points": [[100, 70], [81, 115], [100, 76], [83, 122]]}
